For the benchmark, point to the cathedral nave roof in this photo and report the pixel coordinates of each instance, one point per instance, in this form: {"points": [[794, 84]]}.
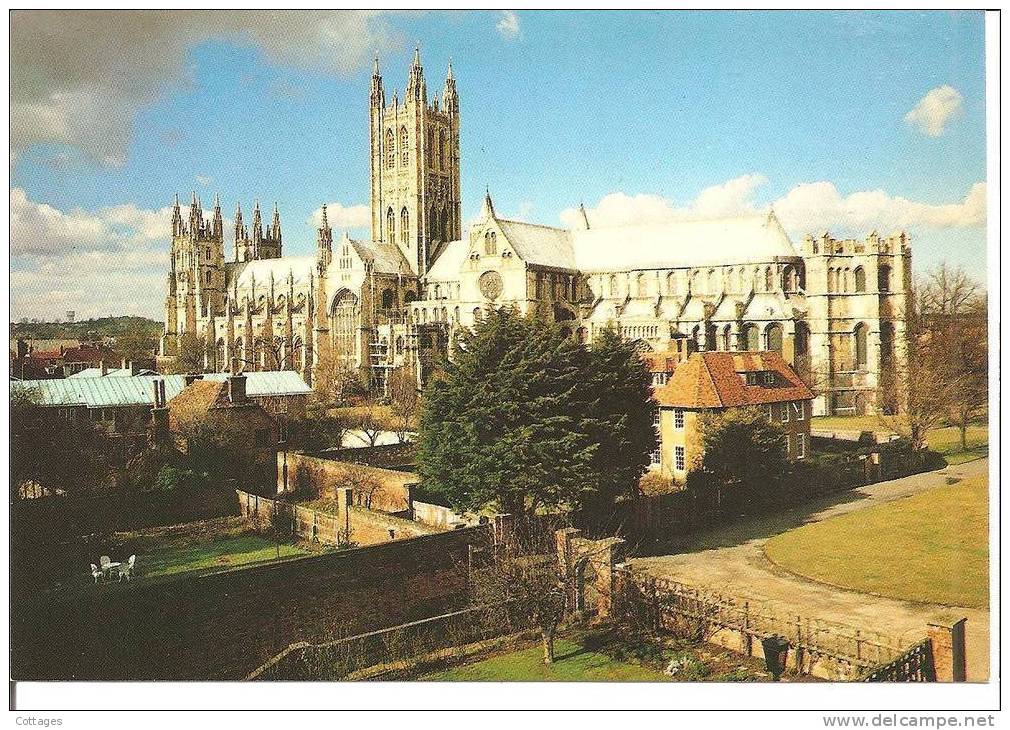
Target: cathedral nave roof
{"points": [[301, 267], [682, 244]]}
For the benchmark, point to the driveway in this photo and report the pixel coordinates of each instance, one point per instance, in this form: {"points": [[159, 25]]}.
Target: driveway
{"points": [[731, 560]]}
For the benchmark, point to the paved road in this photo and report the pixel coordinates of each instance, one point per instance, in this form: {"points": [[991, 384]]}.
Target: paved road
{"points": [[731, 560]]}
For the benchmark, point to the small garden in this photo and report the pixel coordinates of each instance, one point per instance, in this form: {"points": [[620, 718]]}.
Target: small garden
{"points": [[604, 655]]}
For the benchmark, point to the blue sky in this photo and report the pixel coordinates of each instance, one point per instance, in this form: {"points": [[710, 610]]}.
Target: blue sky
{"points": [[634, 114]]}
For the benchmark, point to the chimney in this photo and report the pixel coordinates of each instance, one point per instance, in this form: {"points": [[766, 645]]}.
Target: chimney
{"points": [[159, 413], [101, 366], [190, 378], [134, 367], [236, 389]]}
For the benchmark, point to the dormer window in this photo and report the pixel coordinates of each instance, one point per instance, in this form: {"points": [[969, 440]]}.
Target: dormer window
{"points": [[769, 378]]}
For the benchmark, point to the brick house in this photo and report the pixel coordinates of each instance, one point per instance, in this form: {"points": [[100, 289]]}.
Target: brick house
{"points": [[718, 381], [222, 407]]}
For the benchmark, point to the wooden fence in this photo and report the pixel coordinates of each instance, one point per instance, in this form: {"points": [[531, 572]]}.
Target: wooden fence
{"points": [[818, 647], [913, 665]]}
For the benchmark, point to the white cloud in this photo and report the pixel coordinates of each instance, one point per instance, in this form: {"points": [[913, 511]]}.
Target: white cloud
{"points": [[733, 197], [808, 207], [112, 260], [508, 25], [931, 115], [343, 217], [79, 77]]}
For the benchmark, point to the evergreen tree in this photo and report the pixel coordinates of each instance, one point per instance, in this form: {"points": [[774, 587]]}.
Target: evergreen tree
{"points": [[506, 422], [621, 422], [742, 446]]}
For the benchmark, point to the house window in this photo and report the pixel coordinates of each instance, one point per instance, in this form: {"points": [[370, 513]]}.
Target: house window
{"points": [[798, 410], [751, 378], [787, 445], [678, 418], [654, 458], [678, 458], [785, 412], [655, 418], [769, 378], [801, 445]]}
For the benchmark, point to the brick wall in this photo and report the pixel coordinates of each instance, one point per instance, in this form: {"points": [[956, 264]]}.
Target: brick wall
{"points": [[225, 624], [322, 477], [365, 526]]}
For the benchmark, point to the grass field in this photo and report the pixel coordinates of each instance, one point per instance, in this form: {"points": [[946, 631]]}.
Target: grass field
{"points": [[572, 663], [931, 547], [944, 441], [219, 543]]}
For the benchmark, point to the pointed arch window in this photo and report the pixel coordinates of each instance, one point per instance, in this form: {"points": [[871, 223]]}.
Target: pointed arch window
{"points": [[404, 147], [390, 149], [859, 335], [860, 275], [769, 279], [490, 244], [441, 149], [390, 226], [404, 228]]}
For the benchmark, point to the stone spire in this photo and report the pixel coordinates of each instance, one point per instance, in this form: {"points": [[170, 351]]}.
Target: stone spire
{"points": [[416, 90], [176, 218], [275, 227], [324, 244], [218, 220], [378, 95], [257, 224], [450, 101], [487, 210]]}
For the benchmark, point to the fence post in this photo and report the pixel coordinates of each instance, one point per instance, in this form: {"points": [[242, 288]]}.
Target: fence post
{"points": [[748, 639], [946, 638]]}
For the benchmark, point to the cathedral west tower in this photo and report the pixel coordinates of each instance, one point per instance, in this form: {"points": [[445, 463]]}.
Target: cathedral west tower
{"points": [[415, 197]]}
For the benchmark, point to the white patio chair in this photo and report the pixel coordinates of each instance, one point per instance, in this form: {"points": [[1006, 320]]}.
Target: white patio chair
{"points": [[126, 569], [95, 573]]}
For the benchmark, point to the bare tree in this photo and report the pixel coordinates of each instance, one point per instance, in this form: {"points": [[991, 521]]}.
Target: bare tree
{"points": [[404, 399], [523, 577], [368, 423], [335, 378], [944, 375], [276, 353], [364, 484], [954, 314]]}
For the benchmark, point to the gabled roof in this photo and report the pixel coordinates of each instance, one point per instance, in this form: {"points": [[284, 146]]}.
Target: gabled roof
{"points": [[384, 257], [713, 380], [540, 245], [449, 260]]}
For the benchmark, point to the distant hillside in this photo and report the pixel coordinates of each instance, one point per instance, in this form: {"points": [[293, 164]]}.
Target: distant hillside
{"points": [[88, 329]]}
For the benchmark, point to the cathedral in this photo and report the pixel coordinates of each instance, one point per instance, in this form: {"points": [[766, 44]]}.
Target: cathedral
{"points": [[833, 308]]}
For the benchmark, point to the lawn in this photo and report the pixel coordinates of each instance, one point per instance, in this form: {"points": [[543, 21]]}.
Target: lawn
{"points": [[219, 543], [931, 547], [944, 441], [573, 663]]}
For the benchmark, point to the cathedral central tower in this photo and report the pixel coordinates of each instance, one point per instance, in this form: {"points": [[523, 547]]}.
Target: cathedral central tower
{"points": [[415, 197]]}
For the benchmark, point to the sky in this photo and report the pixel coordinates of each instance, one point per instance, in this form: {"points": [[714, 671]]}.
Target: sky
{"points": [[841, 121]]}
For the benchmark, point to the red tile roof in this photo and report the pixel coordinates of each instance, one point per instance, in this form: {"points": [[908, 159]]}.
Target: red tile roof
{"points": [[713, 380]]}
